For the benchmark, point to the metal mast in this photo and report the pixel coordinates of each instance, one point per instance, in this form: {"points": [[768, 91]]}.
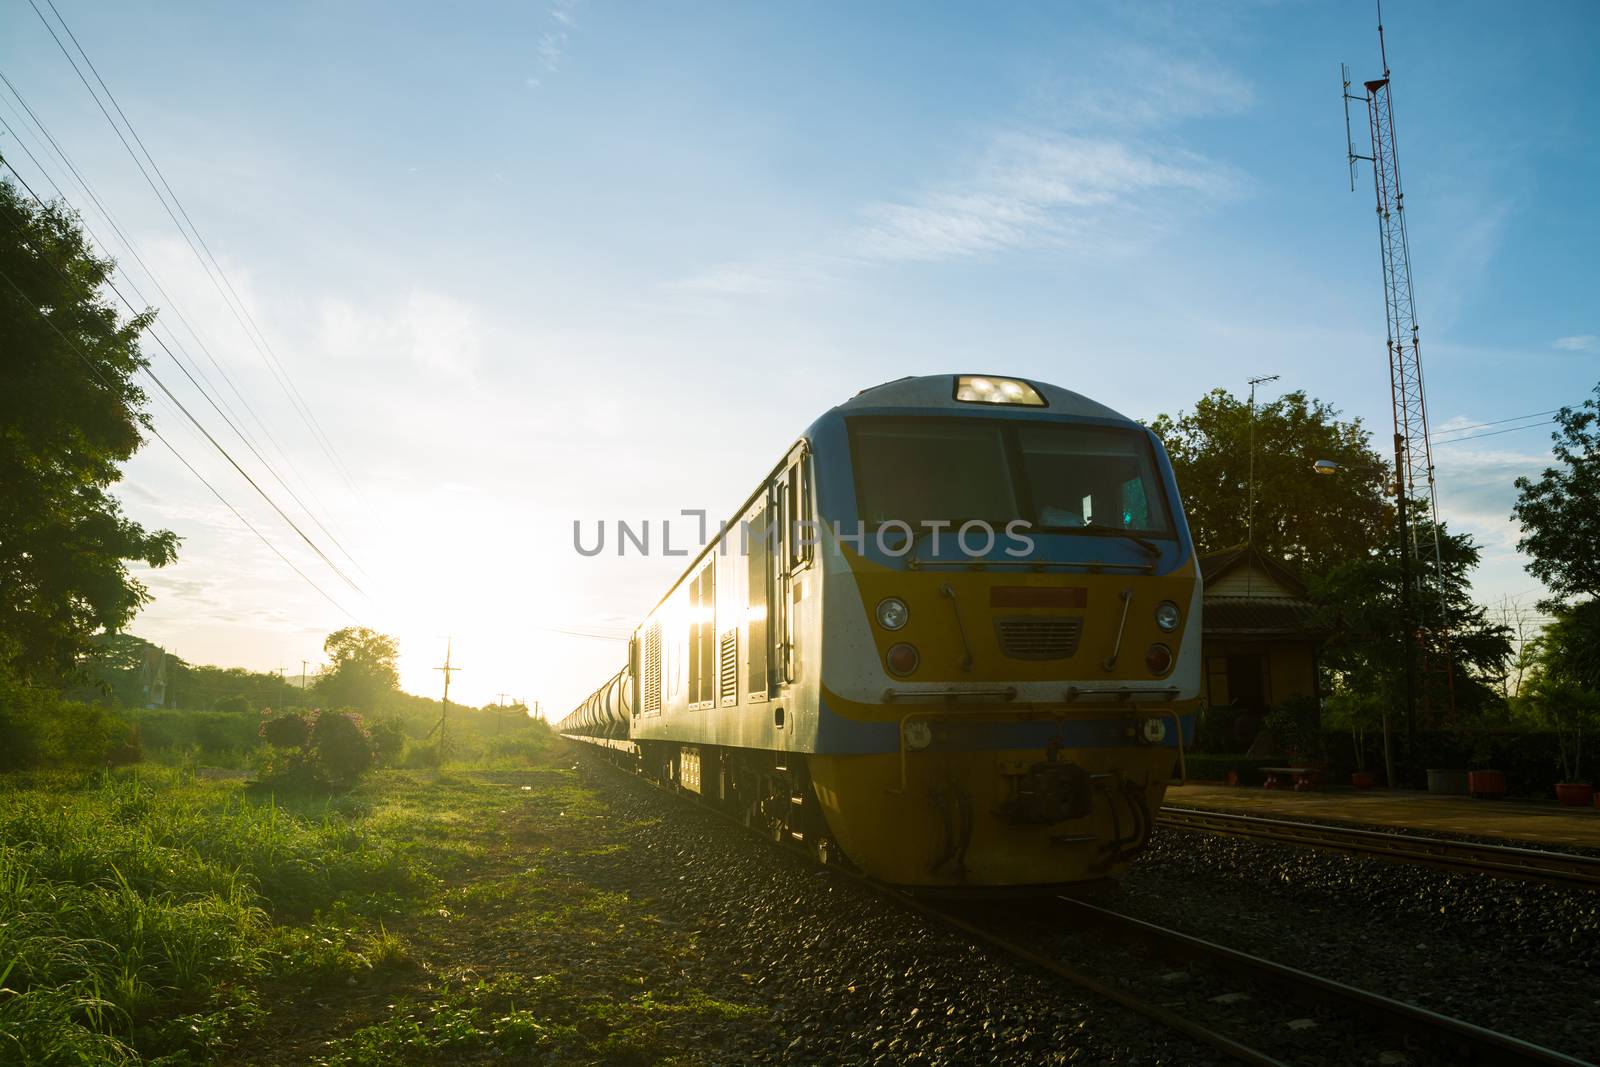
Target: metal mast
{"points": [[1413, 455]]}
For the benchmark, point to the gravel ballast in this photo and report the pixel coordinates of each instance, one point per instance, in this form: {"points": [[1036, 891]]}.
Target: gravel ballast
{"points": [[849, 977], [1510, 955]]}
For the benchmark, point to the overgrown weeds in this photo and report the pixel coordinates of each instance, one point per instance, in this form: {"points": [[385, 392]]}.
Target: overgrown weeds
{"points": [[137, 911]]}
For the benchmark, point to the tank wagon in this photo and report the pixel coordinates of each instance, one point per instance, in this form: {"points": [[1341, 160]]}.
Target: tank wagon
{"points": [[953, 636]]}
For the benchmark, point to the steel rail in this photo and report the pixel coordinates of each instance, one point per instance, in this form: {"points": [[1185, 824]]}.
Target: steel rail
{"points": [[1501, 861], [1470, 1039], [899, 897], [1443, 1033]]}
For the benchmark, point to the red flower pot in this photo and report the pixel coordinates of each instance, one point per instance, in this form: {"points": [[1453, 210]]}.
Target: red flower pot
{"points": [[1575, 794], [1486, 783], [1363, 779]]}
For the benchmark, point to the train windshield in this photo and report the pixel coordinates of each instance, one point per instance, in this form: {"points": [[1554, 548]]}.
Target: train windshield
{"points": [[1056, 476]]}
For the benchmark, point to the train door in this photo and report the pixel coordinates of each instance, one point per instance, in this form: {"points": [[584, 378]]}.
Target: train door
{"points": [[780, 634], [758, 586], [792, 549]]}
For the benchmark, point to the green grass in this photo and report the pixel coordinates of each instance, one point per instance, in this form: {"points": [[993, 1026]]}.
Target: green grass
{"points": [[141, 911], [148, 915]]}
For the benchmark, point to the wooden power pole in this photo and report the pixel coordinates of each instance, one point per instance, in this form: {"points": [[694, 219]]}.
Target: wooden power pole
{"points": [[444, 713]]}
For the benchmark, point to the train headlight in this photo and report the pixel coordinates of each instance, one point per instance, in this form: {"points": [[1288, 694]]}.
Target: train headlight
{"points": [[1158, 658], [983, 389], [892, 613], [1168, 616], [902, 659], [1154, 730]]}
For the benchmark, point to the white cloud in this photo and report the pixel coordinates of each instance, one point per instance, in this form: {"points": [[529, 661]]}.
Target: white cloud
{"points": [[1583, 342], [1078, 193], [1476, 492], [1127, 84], [1079, 171], [757, 279], [431, 330], [549, 49], [552, 44]]}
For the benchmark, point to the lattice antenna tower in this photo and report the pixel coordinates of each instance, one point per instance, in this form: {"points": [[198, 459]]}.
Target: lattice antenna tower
{"points": [[1414, 475]]}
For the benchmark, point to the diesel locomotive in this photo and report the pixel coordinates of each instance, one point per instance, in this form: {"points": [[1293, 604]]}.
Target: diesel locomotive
{"points": [[952, 638]]}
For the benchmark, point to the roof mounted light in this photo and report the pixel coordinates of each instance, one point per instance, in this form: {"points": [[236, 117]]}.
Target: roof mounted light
{"points": [[982, 389]]}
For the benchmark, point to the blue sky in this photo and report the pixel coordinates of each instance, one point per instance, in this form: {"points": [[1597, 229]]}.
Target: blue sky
{"points": [[538, 263]]}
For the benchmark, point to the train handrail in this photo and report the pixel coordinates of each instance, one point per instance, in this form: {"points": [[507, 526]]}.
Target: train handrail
{"points": [[948, 694], [1041, 564]]}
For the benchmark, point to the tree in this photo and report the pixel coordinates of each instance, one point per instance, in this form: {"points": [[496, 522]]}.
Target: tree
{"points": [[70, 416], [1310, 521], [1359, 600], [1367, 654], [1560, 513], [361, 670], [1523, 628], [1563, 689]]}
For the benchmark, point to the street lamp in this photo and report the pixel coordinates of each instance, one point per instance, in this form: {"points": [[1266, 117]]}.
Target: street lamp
{"points": [[1325, 466]]}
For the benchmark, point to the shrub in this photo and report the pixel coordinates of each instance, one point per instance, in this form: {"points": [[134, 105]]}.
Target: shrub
{"points": [[388, 741], [286, 731], [1296, 726], [39, 729], [421, 755], [341, 748], [219, 736]]}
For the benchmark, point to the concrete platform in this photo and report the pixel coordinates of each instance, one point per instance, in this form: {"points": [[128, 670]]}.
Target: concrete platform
{"points": [[1521, 820]]}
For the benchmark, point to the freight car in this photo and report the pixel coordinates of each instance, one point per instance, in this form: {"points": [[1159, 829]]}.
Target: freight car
{"points": [[953, 638]]}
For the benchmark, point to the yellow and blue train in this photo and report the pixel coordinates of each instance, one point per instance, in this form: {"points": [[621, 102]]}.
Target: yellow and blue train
{"points": [[953, 637]]}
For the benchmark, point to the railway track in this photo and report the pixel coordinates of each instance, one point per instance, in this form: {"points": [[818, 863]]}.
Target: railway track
{"points": [[1446, 1039], [1439, 1038], [1501, 861]]}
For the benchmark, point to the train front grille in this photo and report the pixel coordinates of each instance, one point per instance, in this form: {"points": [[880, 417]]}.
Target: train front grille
{"points": [[1039, 636]]}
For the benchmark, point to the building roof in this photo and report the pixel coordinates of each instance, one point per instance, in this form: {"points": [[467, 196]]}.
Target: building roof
{"points": [[1240, 616], [1250, 594], [1215, 566]]}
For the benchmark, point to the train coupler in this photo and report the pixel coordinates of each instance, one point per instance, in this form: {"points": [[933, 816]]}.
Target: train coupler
{"points": [[1049, 791]]}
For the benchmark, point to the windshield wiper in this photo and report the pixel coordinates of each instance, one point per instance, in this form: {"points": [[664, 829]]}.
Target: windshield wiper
{"points": [[1100, 527]]}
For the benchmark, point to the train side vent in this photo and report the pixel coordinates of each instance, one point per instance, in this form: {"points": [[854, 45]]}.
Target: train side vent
{"points": [[1039, 636], [728, 668], [652, 670]]}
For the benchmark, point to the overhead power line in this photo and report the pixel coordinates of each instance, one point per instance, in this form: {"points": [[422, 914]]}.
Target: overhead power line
{"points": [[204, 432], [589, 635], [1495, 433], [1495, 422], [97, 372], [218, 277], [169, 304], [224, 415]]}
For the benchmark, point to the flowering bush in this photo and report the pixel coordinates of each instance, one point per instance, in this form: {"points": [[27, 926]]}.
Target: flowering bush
{"points": [[323, 750]]}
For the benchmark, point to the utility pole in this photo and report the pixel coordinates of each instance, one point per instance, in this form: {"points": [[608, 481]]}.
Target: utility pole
{"points": [[302, 683], [1413, 454], [444, 712], [500, 715], [1250, 509]]}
